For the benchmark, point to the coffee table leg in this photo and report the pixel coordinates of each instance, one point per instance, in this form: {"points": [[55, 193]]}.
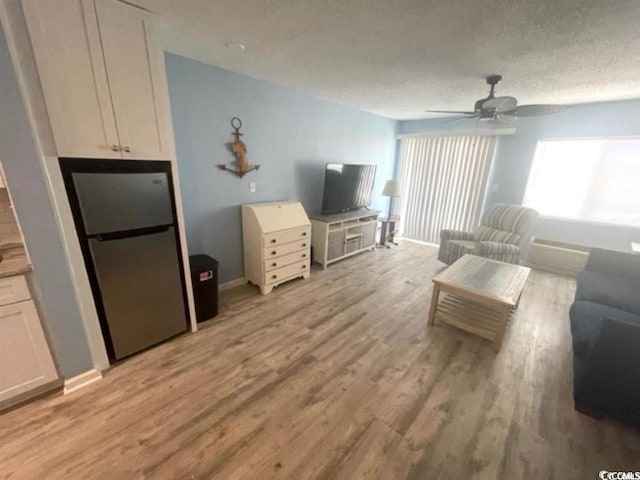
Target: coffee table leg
{"points": [[434, 304], [505, 314]]}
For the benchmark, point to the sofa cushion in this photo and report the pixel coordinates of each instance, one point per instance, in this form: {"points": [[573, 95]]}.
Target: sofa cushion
{"points": [[487, 234], [502, 252], [586, 321], [614, 263], [615, 291]]}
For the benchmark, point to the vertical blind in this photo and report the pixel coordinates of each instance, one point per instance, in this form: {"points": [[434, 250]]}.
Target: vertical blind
{"points": [[443, 181]]}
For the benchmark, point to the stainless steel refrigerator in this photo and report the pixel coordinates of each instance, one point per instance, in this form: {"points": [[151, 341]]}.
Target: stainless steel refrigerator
{"points": [[127, 227]]}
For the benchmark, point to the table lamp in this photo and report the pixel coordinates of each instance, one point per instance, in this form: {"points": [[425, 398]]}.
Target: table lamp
{"points": [[391, 189]]}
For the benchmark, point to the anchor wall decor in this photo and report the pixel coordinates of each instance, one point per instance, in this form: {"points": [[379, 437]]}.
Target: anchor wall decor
{"points": [[240, 150]]}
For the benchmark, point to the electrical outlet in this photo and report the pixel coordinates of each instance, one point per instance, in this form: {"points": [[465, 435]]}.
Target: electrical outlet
{"points": [[252, 187]]}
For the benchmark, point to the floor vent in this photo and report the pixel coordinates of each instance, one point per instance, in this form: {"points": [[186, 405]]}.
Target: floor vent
{"points": [[557, 257]]}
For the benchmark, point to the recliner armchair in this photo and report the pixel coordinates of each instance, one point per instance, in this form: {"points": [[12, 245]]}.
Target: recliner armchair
{"points": [[498, 236]]}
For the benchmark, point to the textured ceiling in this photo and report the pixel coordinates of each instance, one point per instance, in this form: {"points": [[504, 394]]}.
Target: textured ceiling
{"points": [[397, 58]]}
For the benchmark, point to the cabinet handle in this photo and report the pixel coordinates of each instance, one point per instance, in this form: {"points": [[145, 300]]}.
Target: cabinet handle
{"points": [[127, 149], [274, 264], [304, 234], [115, 148], [304, 266], [273, 240], [304, 255], [304, 244], [274, 252], [274, 276]]}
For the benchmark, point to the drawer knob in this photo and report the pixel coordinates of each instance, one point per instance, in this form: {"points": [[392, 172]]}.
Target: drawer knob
{"points": [[274, 252], [115, 148], [304, 244], [304, 234], [274, 276], [304, 255], [304, 266], [274, 264], [273, 240]]}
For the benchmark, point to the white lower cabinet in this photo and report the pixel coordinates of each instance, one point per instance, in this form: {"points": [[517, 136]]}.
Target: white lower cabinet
{"points": [[25, 358]]}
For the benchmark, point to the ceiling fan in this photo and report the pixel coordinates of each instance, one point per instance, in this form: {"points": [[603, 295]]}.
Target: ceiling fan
{"points": [[502, 108]]}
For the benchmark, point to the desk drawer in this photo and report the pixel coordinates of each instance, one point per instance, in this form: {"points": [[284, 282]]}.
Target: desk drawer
{"points": [[288, 271], [13, 290], [278, 262], [287, 236], [279, 250]]}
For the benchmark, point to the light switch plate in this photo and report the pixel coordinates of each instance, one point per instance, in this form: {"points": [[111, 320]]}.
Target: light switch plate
{"points": [[252, 187]]}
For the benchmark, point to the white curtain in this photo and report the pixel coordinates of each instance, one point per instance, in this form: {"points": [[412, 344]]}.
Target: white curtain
{"points": [[443, 180]]}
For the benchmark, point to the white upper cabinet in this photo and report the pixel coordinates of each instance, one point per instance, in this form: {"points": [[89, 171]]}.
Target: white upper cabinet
{"points": [[103, 78], [66, 44], [137, 78]]}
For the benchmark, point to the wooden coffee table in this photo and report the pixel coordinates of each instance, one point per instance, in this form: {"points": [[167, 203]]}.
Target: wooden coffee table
{"points": [[480, 295]]}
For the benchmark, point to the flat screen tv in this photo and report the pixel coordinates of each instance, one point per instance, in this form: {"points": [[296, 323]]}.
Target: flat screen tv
{"points": [[347, 187]]}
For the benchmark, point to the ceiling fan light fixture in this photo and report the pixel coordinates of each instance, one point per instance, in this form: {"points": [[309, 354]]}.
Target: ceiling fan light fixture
{"points": [[500, 104], [500, 121], [235, 46]]}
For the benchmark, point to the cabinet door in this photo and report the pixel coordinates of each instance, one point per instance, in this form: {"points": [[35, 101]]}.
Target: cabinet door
{"points": [[25, 358], [66, 44], [336, 244], [137, 78], [369, 234], [13, 290]]}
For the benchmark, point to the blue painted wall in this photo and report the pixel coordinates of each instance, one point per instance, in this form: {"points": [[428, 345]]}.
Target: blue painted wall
{"points": [[514, 155], [291, 134]]}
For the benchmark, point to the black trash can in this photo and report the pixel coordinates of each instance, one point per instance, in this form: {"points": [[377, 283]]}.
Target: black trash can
{"points": [[204, 278]]}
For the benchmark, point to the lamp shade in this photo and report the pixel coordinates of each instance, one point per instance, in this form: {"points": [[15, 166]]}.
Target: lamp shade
{"points": [[391, 188]]}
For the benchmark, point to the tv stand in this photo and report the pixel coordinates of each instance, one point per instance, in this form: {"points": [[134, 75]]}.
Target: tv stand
{"points": [[341, 235]]}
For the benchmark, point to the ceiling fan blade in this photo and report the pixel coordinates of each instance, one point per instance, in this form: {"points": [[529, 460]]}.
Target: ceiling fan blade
{"points": [[450, 111], [536, 110], [500, 104], [462, 118]]}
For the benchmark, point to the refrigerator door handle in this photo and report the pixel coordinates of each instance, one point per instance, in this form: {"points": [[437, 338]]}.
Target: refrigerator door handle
{"points": [[105, 237]]}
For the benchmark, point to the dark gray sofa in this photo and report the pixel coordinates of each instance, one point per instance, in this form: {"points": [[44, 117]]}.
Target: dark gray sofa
{"points": [[605, 329]]}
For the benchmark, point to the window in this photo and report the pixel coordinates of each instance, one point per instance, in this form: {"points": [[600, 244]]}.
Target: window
{"points": [[596, 180]]}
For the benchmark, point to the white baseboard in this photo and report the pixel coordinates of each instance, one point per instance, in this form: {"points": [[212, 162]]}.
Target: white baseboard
{"points": [[420, 242], [231, 284], [80, 381]]}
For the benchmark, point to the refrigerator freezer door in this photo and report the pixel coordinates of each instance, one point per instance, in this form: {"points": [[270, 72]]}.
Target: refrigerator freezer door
{"points": [[139, 281], [113, 202]]}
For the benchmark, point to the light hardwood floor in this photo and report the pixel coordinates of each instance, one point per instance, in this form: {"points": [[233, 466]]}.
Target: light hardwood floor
{"points": [[337, 376]]}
